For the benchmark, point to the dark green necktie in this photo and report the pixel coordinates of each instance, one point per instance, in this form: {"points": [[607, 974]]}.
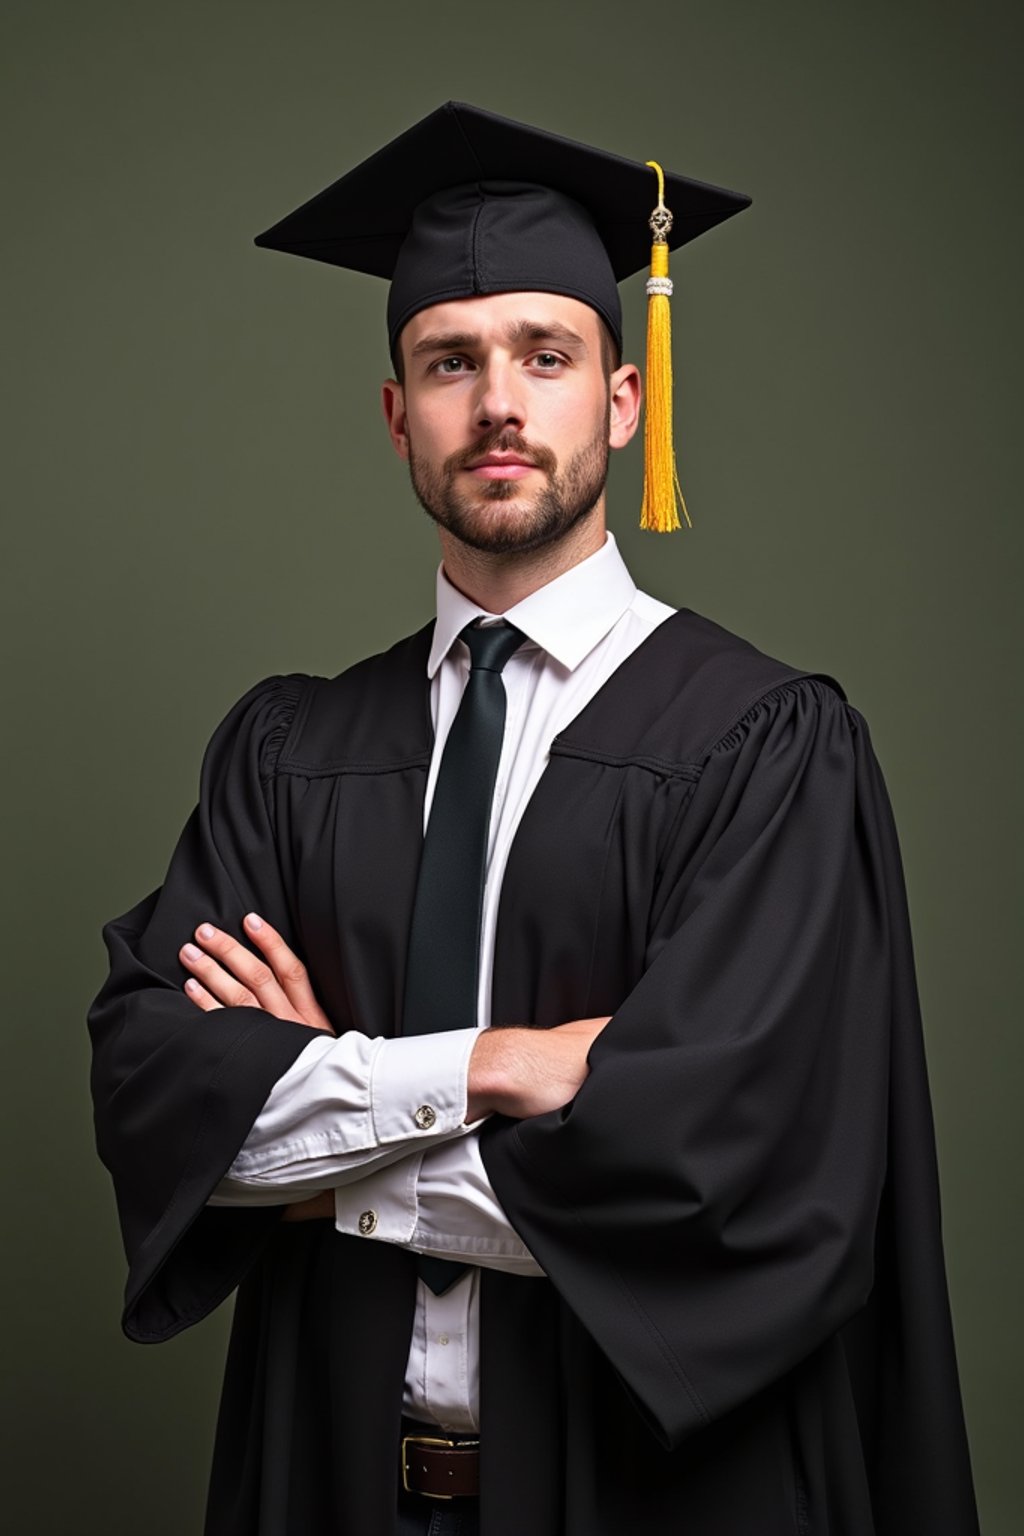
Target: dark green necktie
{"points": [[441, 977]]}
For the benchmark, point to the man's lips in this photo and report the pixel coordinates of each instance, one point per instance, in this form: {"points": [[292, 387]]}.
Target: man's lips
{"points": [[497, 468]]}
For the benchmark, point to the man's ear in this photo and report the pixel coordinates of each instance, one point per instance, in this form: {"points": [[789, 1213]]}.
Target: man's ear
{"points": [[625, 389], [392, 399]]}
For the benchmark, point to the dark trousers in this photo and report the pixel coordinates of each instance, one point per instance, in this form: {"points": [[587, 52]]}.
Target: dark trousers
{"points": [[418, 1516]]}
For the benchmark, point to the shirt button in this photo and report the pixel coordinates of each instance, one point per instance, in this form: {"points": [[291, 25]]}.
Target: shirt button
{"points": [[443, 1338], [368, 1222], [425, 1116]]}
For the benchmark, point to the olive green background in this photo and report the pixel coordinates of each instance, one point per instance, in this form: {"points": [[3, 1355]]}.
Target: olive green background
{"points": [[199, 491]]}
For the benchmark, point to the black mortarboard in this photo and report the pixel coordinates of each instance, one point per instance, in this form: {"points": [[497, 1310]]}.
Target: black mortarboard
{"points": [[466, 202]]}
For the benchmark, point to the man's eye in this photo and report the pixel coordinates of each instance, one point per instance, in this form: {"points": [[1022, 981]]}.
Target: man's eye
{"points": [[547, 360], [443, 367]]}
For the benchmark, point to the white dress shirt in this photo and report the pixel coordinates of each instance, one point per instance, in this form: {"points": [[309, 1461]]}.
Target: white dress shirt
{"points": [[382, 1121]]}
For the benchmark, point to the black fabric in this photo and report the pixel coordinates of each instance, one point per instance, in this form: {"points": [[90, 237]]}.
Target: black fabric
{"points": [[468, 202], [501, 237], [176, 1090], [442, 970], [739, 1214]]}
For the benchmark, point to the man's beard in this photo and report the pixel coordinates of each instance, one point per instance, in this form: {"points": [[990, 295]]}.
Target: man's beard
{"points": [[538, 518]]}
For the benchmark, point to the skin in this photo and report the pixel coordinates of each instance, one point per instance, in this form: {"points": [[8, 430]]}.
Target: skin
{"points": [[509, 391], [524, 377]]}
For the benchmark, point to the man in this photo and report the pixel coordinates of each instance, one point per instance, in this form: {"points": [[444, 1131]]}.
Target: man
{"points": [[527, 1024]]}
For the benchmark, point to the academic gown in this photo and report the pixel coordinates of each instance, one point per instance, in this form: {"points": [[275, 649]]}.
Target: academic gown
{"points": [[745, 1327]]}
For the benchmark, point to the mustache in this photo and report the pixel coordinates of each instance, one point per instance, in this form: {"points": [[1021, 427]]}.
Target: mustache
{"points": [[503, 441]]}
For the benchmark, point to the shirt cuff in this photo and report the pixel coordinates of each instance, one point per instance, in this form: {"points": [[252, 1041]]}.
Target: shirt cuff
{"points": [[419, 1085], [459, 1214], [381, 1206], [438, 1201]]}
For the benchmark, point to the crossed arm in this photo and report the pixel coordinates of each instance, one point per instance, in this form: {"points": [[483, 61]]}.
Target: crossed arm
{"points": [[517, 1072]]}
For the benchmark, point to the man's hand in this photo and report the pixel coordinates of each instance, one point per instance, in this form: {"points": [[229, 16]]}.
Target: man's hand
{"points": [[237, 978], [522, 1072], [316, 1208]]}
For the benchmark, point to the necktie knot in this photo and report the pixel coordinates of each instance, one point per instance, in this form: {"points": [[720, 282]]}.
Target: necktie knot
{"points": [[491, 646]]}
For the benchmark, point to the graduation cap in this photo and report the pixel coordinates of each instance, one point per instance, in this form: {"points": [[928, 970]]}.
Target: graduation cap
{"points": [[466, 202]]}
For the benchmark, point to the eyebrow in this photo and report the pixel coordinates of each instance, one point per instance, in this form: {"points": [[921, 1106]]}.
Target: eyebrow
{"points": [[514, 331]]}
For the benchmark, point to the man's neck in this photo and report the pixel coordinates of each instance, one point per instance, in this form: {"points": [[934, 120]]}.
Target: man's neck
{"points": [[498, 581]]}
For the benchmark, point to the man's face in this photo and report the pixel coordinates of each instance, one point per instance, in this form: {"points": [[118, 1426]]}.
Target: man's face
{"points": [[504, 416]]}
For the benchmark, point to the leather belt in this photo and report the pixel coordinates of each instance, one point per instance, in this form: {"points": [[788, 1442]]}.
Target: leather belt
{"points": [[440, 1468]]}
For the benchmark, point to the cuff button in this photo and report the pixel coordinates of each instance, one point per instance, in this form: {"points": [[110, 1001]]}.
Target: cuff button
{"points": [[367, 1222], [425, 1116]]}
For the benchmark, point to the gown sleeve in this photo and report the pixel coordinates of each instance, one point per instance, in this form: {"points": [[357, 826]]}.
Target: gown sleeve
{"points": [[707, 1203], [176, 1090]]}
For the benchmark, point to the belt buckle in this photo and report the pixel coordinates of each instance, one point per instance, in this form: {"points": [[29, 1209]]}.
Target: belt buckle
{"points": [[408, 1440]]}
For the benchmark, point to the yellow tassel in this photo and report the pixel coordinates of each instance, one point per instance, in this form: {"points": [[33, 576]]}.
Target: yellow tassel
{"points": [[661, 482]]}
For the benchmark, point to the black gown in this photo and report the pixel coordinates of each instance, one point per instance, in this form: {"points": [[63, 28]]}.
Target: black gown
{"points": [[745, 1329]]}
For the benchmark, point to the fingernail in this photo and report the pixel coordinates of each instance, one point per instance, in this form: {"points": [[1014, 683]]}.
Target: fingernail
{"points": [[192, 953], [254, 922], [191, 986], [205, 931]]}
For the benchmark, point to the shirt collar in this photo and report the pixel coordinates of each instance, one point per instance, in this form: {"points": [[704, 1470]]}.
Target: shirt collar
{"points": [[566, 617]]}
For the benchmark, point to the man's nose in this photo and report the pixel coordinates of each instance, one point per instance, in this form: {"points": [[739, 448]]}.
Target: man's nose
{"points": [[499, 399]]}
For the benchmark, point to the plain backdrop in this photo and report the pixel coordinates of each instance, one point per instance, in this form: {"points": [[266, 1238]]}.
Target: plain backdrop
{"points": [[199, 491]]}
